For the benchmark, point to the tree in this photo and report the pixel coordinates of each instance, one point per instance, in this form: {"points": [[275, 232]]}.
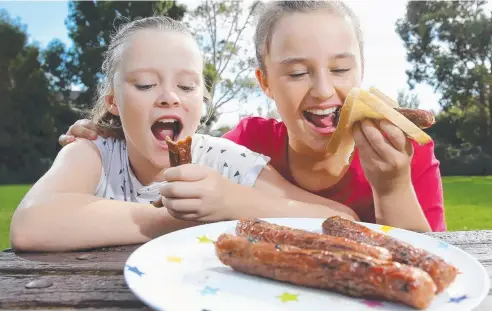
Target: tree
{"points": [[221, 28], [408, 100], [90, 24], [449, 46], [27, 112]]}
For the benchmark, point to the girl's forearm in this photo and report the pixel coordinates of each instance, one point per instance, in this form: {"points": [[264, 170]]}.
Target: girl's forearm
{"points": [[401, 209], [65, 222], [251, 202]]}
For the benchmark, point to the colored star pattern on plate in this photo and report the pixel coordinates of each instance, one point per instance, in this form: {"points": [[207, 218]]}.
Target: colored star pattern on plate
{"points": [[207, 290], [174, 259], [135, 270], [442, 245], [204, 239], [457, 299], [285, 297], [373, 303], [386, 228]]}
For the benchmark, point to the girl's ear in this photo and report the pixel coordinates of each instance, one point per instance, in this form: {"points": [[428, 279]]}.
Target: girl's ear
{"points": [[110, 105], [262, 80]]}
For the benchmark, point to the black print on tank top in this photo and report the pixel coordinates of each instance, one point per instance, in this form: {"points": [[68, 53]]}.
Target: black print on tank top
{"points": [[222, 151], [237, 174], [243, 155], [225, 164], [209, 148]]}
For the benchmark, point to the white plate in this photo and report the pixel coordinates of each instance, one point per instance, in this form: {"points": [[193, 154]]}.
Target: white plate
{"points": [[180, 272]]}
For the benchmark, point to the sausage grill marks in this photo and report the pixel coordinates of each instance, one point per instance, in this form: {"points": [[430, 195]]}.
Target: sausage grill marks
{"points": [[441, 272], [256, 229]]}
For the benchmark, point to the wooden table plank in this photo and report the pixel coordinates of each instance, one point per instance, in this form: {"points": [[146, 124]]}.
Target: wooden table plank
{"points": [[80, 291]]}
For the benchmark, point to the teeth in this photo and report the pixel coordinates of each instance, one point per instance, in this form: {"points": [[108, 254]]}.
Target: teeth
{"points": [[322, 112], [167, 120]]}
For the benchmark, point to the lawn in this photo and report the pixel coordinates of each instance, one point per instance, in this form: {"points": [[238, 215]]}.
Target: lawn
{"points": [[467, 200]]}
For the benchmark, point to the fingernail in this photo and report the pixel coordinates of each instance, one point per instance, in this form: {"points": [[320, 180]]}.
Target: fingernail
{"points": [[70, 139]]}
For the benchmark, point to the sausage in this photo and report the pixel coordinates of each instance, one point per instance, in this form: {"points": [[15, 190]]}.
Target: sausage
{"points": [[256, 229], [180, 151], [421, 118], [179, 154], [348, 273], [441, 272]]}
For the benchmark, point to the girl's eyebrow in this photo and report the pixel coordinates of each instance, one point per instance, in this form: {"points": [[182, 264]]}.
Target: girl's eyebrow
{"points": [[143, 69], [297, 60], [154, 71]]}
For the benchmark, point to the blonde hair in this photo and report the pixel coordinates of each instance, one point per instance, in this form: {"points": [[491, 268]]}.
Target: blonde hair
{"points": [[99, 114], [271, 12]]}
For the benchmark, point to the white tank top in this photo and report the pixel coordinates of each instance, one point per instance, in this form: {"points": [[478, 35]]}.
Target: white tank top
{"points": [[233, 161]]}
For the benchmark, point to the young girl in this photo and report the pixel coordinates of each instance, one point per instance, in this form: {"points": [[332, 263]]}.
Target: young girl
{"points": [[99, 193], [310, 55]]}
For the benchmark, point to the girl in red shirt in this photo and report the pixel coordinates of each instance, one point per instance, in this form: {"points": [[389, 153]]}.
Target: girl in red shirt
{"points": [[310, 55]]}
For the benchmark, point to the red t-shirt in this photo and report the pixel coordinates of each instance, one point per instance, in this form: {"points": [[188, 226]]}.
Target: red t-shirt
{"points": [[269, 137]]}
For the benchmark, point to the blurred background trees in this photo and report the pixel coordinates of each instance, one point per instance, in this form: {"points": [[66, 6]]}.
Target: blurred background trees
{"points": [[448, 44]]}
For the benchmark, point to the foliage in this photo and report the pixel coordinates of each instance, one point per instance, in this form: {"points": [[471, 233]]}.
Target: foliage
{"points": [[449, 46], [28, 112], [221, 30], [407, 100]]}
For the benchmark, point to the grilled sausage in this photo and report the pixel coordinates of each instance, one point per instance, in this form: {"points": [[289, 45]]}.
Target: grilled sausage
{"points": [[440, 271], [256, 229], [179, 154], [180, 151], [421, 118], [344, 272]]}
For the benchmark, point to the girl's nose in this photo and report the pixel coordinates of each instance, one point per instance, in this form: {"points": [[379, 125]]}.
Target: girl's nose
{"points": [[322, 87], [168, 99]]}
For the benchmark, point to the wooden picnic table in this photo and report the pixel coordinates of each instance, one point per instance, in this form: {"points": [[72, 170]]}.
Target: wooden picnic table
{"points": [[94, 279]]}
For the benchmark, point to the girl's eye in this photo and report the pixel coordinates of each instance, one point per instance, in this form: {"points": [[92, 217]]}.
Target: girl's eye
{"points": [[297, 74], [186, 88], [143, 87], [340, 70]]}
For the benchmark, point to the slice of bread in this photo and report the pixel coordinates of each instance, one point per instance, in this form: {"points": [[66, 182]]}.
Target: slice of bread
{"points": [[361, 104]]}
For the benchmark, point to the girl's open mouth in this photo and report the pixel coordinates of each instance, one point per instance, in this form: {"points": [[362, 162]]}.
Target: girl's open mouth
{"points": [[323, 120], [166, 127]]}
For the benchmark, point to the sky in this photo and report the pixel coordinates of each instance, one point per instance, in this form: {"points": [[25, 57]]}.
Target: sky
{"points": [[385, 54]]}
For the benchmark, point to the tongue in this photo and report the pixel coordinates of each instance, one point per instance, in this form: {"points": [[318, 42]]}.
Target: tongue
{"points": [[321, 120], [161, 130]]}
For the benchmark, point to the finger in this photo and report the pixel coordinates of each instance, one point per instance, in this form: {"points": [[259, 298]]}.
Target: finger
{"points": [[181, 189], [183, 216], [186, 172], [395, 136], [83, 129], [377, 141], [364, 146], [64, 140], [183, 206], [158, 203]]}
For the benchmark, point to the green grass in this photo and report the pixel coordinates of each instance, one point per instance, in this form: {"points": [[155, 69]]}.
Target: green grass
{"points": [[467, 201], [10, 196]]}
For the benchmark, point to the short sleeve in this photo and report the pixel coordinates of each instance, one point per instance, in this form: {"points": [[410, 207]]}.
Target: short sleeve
{"points": [[426, 179], [233, 161]]}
